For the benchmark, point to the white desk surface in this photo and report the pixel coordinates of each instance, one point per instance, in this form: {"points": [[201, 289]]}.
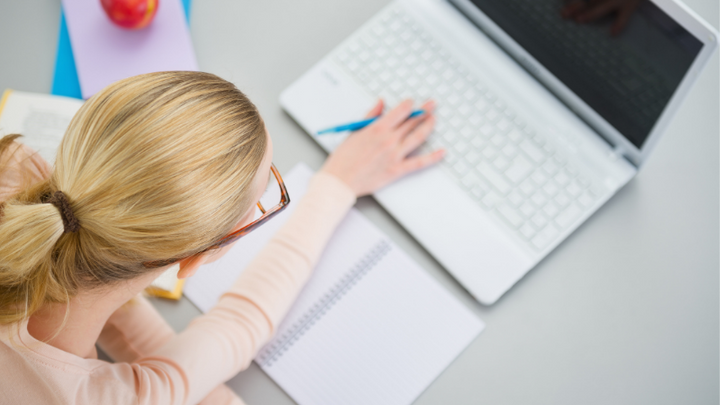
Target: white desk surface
{"points": [[625, 311]]}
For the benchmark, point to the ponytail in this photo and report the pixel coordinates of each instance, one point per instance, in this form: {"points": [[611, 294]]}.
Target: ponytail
{"points": [[29, 232]]}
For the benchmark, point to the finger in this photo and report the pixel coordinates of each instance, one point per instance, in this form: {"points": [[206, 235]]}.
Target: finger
{"points": [[396, 116], [419, 135], [419, 162], [377, 110], [411, 123], [600, 10]]}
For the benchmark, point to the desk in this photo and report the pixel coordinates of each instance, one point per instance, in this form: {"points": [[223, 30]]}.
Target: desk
{"points": [[623, 312]]}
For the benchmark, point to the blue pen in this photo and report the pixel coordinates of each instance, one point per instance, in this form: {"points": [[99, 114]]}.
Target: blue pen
{"points": [[354, 126]]}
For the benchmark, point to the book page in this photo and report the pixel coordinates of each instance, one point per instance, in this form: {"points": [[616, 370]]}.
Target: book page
{"points": [[41, 119]]}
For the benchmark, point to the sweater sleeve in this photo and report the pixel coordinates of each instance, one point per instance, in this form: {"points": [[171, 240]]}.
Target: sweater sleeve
{"points": [[221, 343], [134, 330]]}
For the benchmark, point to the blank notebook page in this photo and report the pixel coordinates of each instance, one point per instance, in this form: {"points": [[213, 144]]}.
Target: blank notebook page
{"points": [[370, 327]]}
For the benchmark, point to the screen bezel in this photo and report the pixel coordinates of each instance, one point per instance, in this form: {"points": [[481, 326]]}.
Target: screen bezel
{"points": [[637, 156]]}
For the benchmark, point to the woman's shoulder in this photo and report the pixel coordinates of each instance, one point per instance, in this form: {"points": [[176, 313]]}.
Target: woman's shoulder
{"points": [[20, 166]]}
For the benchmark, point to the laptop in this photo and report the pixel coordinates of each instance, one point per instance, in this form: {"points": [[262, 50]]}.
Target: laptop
{"points": [[543, 118]]}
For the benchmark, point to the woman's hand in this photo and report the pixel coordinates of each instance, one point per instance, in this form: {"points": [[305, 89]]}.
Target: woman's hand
{"points": [[379, 153]]}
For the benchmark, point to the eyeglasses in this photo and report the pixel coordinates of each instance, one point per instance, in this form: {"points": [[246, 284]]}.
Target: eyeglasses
{"points": [[266, 215]]}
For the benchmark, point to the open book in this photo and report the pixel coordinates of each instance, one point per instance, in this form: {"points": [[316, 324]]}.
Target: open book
{"points": [[370, 327], [42, 121]]}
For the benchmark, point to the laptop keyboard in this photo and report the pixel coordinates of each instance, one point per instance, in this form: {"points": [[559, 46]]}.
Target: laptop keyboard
{"points": [[509, 169]]}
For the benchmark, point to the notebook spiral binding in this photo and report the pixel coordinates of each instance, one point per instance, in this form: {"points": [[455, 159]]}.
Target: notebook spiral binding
{"points": [[280, 344]]}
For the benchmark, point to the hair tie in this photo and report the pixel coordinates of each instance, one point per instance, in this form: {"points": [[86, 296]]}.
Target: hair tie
{"points": [[59, 200]]}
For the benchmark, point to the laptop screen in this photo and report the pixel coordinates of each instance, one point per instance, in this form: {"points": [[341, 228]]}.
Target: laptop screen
{"points": [[623, 58]]}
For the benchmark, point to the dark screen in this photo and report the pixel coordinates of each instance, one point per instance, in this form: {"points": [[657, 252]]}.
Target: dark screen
{"points": [[625, 63]]}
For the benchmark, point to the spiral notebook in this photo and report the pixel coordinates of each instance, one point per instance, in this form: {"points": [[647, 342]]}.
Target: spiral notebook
{"points": [[370, 327]]}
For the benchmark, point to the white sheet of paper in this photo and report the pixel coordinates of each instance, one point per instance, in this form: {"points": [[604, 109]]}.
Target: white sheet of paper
{"points": [[42, 119]]}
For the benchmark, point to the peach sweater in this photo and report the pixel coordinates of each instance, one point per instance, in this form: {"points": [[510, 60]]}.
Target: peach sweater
{"points": [[153, 364]]}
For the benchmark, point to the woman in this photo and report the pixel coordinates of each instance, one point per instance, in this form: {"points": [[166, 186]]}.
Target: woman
{"points": [[157, 170]]}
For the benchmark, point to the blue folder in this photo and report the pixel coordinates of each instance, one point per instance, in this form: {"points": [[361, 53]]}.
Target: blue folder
{"points": [[65, 79]]}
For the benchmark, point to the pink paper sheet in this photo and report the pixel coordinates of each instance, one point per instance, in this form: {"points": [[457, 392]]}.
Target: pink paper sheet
{"points": [[105, 53]]}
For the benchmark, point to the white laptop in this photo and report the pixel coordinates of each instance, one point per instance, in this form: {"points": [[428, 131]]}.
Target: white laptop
{"points": [[543, 118]]}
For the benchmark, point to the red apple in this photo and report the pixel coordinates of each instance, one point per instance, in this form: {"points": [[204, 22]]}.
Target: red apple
{"points": [[130, 14]]}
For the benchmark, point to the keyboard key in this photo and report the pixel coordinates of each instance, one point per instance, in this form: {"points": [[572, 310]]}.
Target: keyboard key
{"points": [[490, 152], [470, 95], [540, 241], [515, 136], [498, 140], [520, 168], [493, 177], [527, 187], [582, 181], [470, 180], [562, 199], [481, 105], [476, 120], [515, 198], [510, 215], [490, 200], [573, 189], [551, 232], [472, 157], [562, 179], [550, 189], [550, 209], [478, 143], [445, 112], [539, 178], [501, 163], [464, 109], [448, 75], [559, 160], [509, 150], [586, 199], [461, 147], [545, 237], [503, 125], [450, 137], [550, 167], [568, 216], [532, 151], [527, 231], [487, 130], [527, 209], [460, 84], [539, 198], [492, 115], [450, 158], [539, 220]]}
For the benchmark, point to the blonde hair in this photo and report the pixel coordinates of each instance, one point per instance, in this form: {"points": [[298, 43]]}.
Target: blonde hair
{"points": [[155, 167]]}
